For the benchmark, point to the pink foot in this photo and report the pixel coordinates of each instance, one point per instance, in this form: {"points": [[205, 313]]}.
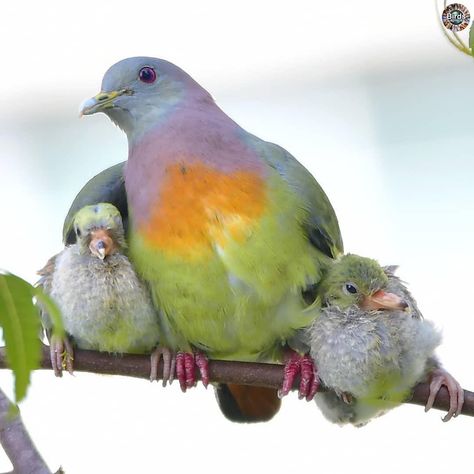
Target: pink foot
{"points": [[203, 366], [186, 363], [305, 367], [438, 378], [169, 363], [61, 354]]}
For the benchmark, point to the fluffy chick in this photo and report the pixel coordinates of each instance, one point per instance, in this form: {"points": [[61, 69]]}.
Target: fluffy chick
{"points": [[103, 303], [371, 344]]}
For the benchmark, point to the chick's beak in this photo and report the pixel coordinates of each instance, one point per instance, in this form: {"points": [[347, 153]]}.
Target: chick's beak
{"points": [[101, 101], [101, 244], [382, 300]]}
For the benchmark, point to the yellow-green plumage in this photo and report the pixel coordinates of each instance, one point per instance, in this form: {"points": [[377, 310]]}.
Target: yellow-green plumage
{"points": [[241, 301]]}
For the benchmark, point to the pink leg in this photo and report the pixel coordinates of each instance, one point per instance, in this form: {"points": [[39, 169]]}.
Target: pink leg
{"points": [[291, 370], [203, 365], [186, 363], [309, 379], [438, 378], [295, 365], [184, 360], [168, 364]]}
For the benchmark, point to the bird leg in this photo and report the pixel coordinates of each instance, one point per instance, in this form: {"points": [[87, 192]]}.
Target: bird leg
{"points": [[304, 366], [186, 363], [438, 378], [203, 365], [169, 364], [347, 398], [61, 354]]}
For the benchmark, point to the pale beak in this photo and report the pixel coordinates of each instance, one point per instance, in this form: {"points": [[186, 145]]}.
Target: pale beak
{"points": [[101, 101], [382, 300], [101, 244]]}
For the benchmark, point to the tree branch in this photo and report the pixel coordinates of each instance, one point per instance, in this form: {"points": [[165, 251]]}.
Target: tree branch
{"points": [[244, 373], [16, 441]]}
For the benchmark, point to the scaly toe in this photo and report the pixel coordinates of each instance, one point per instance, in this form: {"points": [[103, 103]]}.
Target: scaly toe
{"points": [[68, 357], [189, 367], [291, 370], [180, 371], [155, 357], [440, 377], [309, 379], [202, 363], [61, 355], [56, 348]]}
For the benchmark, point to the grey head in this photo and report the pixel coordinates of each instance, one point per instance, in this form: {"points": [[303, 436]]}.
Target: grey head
{"points": [[138, 92]]}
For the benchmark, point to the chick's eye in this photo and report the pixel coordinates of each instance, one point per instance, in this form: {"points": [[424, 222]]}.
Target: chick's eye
{"points": [[350, 288], [78, 231], [147, 74]]}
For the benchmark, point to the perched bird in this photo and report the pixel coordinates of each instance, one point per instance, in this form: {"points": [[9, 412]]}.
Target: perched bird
{"points": [[103, 303], [230, 232], [371, 344]]}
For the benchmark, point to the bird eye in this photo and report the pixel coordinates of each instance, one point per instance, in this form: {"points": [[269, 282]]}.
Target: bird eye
{"points": [[147, 74], [78, 231], [350, 288]]}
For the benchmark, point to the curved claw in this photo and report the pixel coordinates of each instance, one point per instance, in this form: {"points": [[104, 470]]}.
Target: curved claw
{"points": [[440, 377], [61, 354], [186, 364], [309, 382], [68, 356], [168, 364], [347, 398], [290, 371], [184, 361], [203, 366], [55, 349]]}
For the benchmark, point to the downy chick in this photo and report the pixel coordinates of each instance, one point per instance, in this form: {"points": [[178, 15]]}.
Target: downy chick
{"points": [[371, 344], [103, 303]]}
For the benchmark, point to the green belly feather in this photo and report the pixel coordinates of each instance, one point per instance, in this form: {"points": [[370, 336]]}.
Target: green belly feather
{"points": [[243, 300]]}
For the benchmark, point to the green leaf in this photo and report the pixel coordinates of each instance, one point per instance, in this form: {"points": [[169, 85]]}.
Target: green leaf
{"points": [[21, 326]]}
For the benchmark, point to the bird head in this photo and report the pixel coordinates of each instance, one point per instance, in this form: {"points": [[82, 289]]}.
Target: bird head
{"points": [[138, 92], [358, 281], [99, 230]]}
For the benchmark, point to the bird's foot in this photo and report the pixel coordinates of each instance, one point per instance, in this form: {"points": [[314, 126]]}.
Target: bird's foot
{"points": [[62, 355], [304, 366], [438, 378], [169, 364], [347, 398], [186, 363]]}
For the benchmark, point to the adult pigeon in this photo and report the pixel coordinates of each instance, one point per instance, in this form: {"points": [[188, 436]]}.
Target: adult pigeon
{"points": [[230, 232]]}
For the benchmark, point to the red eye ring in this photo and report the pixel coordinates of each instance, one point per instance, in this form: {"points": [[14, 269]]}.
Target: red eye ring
{"points": [[147, 75]]}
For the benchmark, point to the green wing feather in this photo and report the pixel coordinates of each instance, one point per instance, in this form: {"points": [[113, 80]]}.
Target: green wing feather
{"points": [[322, 227]]}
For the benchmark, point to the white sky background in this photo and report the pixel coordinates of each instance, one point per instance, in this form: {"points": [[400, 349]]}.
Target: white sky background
{"points": [[369, 95]]}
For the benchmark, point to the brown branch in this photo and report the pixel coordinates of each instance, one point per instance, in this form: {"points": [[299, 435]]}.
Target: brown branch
{"points": [[16, 441], [244, 373]]}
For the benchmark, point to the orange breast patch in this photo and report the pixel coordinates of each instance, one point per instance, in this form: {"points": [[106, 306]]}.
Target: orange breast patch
{"points": [[198, 207]]}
